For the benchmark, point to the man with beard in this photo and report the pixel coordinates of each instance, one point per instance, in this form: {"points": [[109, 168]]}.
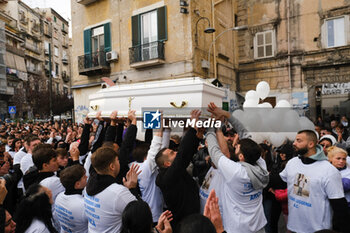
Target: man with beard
{"points": [[321, 189]]}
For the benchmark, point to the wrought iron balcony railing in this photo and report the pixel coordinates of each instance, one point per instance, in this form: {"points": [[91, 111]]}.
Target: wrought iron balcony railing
{"points": [[146, 52], [90, 64]]}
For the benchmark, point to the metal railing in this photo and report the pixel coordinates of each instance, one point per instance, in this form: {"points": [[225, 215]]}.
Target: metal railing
{"points": [[32, 47], [145, 52], [18, 51], [33, 70], [90, 61]]}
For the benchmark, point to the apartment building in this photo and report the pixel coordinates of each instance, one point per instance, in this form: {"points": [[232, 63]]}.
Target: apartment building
{"points": [[144, 40]]}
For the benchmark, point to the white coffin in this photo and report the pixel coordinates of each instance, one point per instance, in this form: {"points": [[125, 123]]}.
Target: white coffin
{"points": [[184, 94]]}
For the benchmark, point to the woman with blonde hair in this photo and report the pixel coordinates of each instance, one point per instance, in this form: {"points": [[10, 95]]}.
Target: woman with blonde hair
{"points": [[337, 157]]}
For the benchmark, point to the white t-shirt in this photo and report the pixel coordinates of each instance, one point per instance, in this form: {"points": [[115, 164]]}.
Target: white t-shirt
{"points": [[213, 180], [104, 210], [54, 184], [346, 174], [150, 192], [309, 188], [70, 212], [37, 226], [26, 163], [241, 204], [18, 156]]}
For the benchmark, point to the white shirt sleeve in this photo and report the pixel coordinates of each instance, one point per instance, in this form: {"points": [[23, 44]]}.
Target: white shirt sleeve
{"points": [[229, 168], [333, 185], [124, 198], [166, 138], [284, 174], [152, 152]]}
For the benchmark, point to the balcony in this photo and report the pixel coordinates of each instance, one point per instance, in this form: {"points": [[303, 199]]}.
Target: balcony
{"points": [[36, 28], [32, 47], [147, 54], [65, 30], [14, 50], [48, 30], [65, 60], [92, 64], [86, 2], [33, 71], [65, 44], [65, 77]]}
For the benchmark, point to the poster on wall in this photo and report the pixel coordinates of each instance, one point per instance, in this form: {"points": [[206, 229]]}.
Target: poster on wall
{"points": [[335, 88]]}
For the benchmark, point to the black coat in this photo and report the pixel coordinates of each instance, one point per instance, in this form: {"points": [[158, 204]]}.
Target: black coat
{"points": [[180, 191]]}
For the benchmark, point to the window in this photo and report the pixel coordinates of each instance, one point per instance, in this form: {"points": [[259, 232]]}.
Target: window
{"points": [[264, 44], [97, 39], [65, 91], [56, 51], [47, 47], [56, 70], [64, 54], [336, 32], [148, 29], [54, 19]]}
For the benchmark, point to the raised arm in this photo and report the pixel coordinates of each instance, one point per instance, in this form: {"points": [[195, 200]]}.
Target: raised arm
{"points": [[127, 146], [236, 124], [112, 128], [84, 140]]}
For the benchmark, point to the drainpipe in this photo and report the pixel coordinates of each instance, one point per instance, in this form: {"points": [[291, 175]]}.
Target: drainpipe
{"points": [[214, 47], [289, 56]]}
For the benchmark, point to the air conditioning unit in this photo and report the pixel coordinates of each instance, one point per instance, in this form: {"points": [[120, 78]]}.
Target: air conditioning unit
{"points": [[112, 56]]}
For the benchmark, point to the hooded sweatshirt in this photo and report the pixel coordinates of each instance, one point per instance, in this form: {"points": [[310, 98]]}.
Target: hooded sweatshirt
{"points": [[105, 201], [241, 191]]}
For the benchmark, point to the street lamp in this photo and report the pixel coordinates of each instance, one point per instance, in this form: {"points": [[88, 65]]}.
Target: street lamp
{"points": [[207, 30], [213, 42]]}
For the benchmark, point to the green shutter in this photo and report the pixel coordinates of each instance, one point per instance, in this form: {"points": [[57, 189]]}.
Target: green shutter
{"points": [[136, 32], [162, 24], [107, 35], [87, 41]]}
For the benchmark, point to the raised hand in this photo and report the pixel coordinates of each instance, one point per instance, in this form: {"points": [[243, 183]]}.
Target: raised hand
{"points": [[3, 191], [218, 113], [163, 225], [113, 117], [87, 121], [74, 153], [132, 116], [98, 116], [212, 211], [131, 177]]}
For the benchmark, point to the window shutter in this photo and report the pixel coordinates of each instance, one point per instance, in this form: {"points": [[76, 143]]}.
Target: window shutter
{"points": [[87, 41], [136, 32], [162, 24], [107, 35]]}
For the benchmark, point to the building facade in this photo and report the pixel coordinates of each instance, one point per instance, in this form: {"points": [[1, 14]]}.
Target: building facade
{"points": [[300, 47], [28, 31], [144, 40]]}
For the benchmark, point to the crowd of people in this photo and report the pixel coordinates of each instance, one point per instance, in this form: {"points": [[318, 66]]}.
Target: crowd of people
{"points": [[97, 177]]}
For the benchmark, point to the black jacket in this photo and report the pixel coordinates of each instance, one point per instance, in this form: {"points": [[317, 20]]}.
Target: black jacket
{"points": [[180, 191]]}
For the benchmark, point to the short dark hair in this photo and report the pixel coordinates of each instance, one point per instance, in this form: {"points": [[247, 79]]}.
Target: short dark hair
{"points": [[61, 152], [137, 218], [70, 175], [161, 158], [311, 135], [250, 150], [195, 223], [43, 153], [102, 158], [31, 139], [140, 152]]}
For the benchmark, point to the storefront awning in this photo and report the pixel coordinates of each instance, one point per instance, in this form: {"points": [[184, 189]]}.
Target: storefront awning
{"points": [[20, 64], [10, 60]]}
